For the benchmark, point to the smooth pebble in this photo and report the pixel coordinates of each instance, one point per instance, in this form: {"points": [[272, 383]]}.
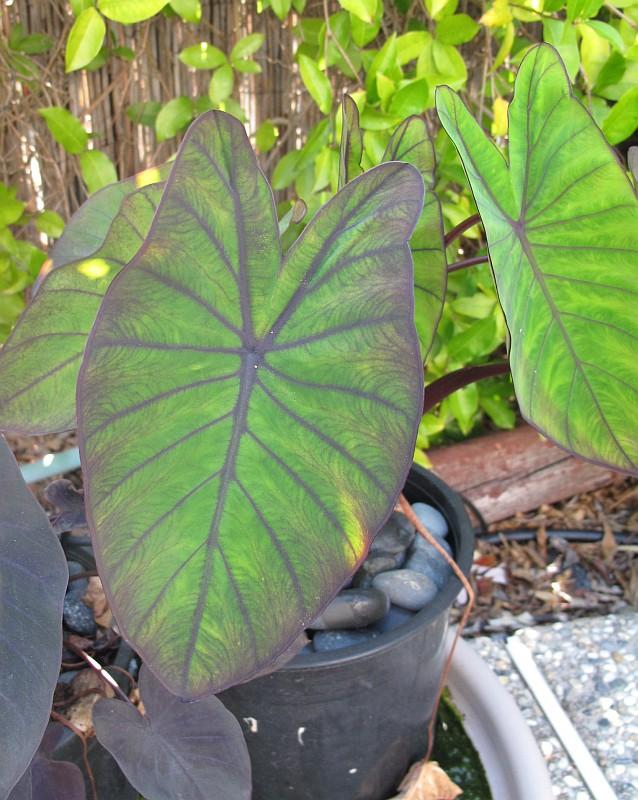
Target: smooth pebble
{"points": [[407, 588], [353, 608], [432, 518], [324, 641]]}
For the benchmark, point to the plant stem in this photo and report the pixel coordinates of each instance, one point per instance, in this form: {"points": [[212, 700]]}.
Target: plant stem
{"points": [[85, 752], [467, 262], [99, 669], [460, 229], [423, 531], [438, 390]]}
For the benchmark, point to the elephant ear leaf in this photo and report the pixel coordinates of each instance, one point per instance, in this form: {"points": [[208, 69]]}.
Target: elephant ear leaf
{"points": [[411, 142], [562, 226], [40, 360], [33, 580], [195, 750], [351, 150], [85, 232], [246, 421]]}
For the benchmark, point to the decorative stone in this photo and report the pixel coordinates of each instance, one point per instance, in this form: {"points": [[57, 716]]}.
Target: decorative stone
{"points": [[430, 563], [78, 587], [394, 619], [324, 641], [78, 617], [353, 608], [432, 518], [373, 565], [421, 545], [407, 588], [395, 536]]}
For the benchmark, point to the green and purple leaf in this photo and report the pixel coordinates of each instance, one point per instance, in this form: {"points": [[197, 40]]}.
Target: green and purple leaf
{"points": [[177, 750], [247, 421], [411, 142], [33, 580], [562, 226], [40, 361], [351, 148]]}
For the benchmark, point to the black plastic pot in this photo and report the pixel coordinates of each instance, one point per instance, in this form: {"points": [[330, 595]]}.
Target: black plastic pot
{"points": [[346, 725]]}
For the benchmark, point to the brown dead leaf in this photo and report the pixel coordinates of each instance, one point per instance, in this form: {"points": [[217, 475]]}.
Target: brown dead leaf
{"points": [[608, 545], [427, 781], [95, 598], [80, 713]]}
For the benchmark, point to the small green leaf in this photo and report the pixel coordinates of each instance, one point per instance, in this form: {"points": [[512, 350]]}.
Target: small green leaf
{"points": [[189, 10], [78, 6], [286, 170], [281, 8], [457, 29], [221, 84], [464, 403], [385, 61], [247, 46], [410, 99], [498, 410], [622, 120], [410, 45], [608, 32], [129, 11], [246, 66], [317, 83], [66, 129], [582, 9], [50, 223], [173, 118], [363, 9], [30, 44], [10, 207], [266, 136], [202, 56], [85, 39], [97, 169], [144, 113]]}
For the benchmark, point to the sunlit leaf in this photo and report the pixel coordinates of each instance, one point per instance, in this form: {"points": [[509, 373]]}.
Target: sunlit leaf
{"points": [[177, 750], [39, 363], [66, 129], [129, 11], [33, 580], [189, 10], [85, 39], [562, 226], [202, 56], [97, 170], [246, 423], [317, 83], [173, 117], [411, 143]]}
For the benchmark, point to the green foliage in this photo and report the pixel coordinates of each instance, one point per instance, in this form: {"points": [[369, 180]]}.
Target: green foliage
{"points": [[97, 169], [129, 11], [85, 39], [66, 129]]}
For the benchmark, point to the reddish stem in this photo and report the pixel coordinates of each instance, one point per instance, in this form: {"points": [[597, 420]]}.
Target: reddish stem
{"points": [[460, 229], [468, 262], [442, 387]]}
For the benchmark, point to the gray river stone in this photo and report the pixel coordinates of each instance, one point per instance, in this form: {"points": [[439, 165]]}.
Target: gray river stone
{"points": [[430, 563], [395, 536], [432, 518], [394, 619], [407, 588], [373, 565], [353, 608]]}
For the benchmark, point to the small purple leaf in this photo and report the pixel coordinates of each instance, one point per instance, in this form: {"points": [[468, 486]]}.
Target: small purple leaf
{"points": [[177, 750], [70, 504]]}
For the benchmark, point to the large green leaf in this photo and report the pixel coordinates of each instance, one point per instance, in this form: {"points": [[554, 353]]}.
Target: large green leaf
{"points": [[40, 361], [33, 579], [562, 227], [411, 143], [247, 422]]}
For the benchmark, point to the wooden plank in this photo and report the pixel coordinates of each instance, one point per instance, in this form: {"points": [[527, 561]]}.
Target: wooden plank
{"points": [[515, 471]]}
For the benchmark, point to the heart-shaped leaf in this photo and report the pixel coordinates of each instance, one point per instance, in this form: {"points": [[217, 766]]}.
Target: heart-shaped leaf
{"points": [[46, 779], [247, 423], [562, 226], [411, 143], [33, 579], [40, 360], [177, 750]]}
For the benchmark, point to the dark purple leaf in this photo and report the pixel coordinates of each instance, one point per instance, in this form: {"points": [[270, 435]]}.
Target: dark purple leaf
{"points": [[194, 751], [70, 504], [50, 780], [33, 579]]}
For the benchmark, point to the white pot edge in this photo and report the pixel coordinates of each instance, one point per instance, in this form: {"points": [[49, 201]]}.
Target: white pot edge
{"points": [[515, 767]]}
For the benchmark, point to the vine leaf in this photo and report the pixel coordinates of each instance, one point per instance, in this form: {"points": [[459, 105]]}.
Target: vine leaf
{"points": [[562, 226], [33, 580], [40, 360], [246, 421], [411, 142], [194, 750]]}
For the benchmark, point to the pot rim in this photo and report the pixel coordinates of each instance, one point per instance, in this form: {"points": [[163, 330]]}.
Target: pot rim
{"points": [[462, 534]]}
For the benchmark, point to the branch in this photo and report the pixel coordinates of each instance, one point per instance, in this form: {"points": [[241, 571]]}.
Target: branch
{"points": [[438, 390], [468, 262]]}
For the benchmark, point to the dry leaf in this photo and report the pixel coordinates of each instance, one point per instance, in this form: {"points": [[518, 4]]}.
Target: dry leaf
{"points": [[95, 598], [608, 544], [81, 712], [427, 781]]}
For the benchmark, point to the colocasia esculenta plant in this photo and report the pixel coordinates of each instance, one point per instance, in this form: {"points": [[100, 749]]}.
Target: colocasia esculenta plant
{"points": [[247, 417]]}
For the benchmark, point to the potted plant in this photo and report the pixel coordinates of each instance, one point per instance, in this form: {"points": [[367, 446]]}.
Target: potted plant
{"points": [[247, 419]]}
